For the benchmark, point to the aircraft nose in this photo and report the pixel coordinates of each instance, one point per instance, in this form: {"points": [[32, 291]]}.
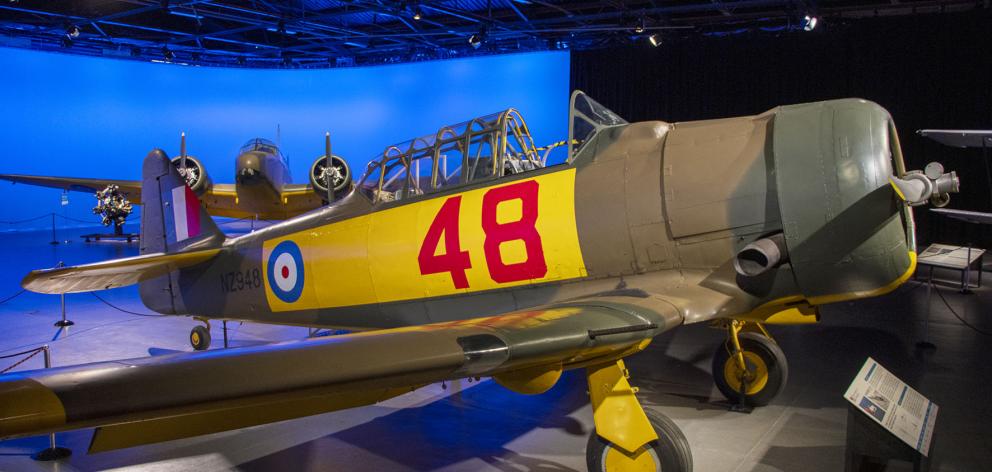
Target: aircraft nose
{"points": [[248, 168]]}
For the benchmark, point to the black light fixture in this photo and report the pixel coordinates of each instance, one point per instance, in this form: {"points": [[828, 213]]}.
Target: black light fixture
{"points": [[135, 51], [809, 22], [66, 42], [168, 54], [287, 61], [640, 26], [72, 31], [195, 57], [477, 39], [654, 39], [242, 61]]}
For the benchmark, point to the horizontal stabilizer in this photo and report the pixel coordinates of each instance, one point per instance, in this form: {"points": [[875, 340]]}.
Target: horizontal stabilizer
{"points": [[111, 274]]}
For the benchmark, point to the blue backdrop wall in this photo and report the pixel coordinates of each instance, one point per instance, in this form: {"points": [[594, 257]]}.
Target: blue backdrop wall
{"points": [[80, 116]]}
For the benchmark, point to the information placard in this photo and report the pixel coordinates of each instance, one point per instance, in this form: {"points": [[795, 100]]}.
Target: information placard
{"points": [[902, 411]]}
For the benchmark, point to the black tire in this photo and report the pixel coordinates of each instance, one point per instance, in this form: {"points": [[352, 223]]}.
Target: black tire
{"points": [[670, 452], [756, 347], [199, 338]]}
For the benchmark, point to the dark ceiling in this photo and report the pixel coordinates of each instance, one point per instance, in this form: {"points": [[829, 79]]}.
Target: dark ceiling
{"points": [[336, 33]]}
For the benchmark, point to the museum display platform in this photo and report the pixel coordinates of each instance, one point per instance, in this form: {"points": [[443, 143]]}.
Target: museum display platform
{"points": [[481, 426]]}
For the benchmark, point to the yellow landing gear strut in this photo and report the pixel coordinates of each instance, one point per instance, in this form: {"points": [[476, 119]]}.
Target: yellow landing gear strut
{"points": [[627, 438], [749, 368]]}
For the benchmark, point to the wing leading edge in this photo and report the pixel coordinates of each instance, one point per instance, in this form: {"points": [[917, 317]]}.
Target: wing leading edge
{"points": [[148, 400]]}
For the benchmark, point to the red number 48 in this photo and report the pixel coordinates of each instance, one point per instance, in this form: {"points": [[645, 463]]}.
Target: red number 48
{"points": [[456, 261]]}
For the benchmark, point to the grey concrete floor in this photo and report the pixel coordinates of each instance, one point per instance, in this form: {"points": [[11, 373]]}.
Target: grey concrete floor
{"points": [[481, 426]]}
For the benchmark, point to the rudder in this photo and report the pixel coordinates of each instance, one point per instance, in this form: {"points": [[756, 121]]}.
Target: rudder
{"points": [[172, 218]]}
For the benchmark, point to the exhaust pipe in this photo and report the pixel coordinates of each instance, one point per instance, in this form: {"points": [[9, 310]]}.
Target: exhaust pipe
{"points": [[761, 255]]}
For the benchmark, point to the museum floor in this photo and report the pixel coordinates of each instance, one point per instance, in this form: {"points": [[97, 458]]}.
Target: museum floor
{"points": [[481, 426]]}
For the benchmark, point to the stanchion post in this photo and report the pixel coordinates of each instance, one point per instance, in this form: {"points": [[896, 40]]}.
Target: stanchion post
{"points": [[63, 322], [53, 453], [54, 240]]}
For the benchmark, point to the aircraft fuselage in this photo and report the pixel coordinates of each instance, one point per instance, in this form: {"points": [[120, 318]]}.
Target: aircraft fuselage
{"points": [[620, 216]]}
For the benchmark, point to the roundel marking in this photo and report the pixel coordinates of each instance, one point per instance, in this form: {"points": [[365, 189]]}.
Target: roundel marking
{"points": [[285, 271]]}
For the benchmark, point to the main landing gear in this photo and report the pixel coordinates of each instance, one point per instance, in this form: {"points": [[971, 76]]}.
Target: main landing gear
{"points": [[626, 437], [199, 337], [749, 368]]}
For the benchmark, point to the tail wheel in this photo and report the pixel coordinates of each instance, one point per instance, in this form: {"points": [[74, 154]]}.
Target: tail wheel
{"points": [[199, 338], [669, 453], [766, 375]]}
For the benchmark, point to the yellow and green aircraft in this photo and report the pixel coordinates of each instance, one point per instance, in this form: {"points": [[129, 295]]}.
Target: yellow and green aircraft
{"points": [[462, 254]]}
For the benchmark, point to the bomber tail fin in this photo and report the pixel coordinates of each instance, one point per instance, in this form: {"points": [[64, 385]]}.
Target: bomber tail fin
{"points": [[172, 219]]}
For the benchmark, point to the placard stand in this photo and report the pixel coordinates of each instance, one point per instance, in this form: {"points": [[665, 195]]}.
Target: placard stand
{"points": [[870, 446]]}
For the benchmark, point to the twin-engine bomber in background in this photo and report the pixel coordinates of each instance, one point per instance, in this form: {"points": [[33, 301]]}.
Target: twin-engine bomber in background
{"points": [[461, 255], [263, 187]]}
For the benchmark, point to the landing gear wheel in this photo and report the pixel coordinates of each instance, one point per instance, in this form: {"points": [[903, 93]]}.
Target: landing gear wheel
{"points": [[669, 453], [199, 338], [767, 370]]}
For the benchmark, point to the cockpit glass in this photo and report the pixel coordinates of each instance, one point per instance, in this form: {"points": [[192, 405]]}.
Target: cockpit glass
{"points": [[261, 145], [586, 117]]}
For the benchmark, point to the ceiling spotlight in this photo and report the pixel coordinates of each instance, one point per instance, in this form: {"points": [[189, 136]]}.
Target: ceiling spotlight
{"points": [[287, 61], [195, 57], [477, 39], [72, 31], [135, 51], [168, 54], [809, 23], [640, 26], [242, 61], [655, 40], [417, 14], [66, 42]]}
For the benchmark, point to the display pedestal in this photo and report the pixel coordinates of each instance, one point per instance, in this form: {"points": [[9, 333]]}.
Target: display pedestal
{"points": [[870, 446]]}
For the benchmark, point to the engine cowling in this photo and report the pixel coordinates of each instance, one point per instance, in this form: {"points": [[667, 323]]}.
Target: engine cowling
{"points": [[196, 175], [340, 175]]}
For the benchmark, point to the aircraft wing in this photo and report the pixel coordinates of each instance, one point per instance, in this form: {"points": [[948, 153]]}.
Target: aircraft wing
{"points": [[222, 200], [146, 400], [111, 274], [132, 188], [302, 196]]}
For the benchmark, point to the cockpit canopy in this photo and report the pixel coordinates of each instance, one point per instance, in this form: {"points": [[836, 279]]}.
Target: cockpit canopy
{"points": [[488, 147], [261, 145]]}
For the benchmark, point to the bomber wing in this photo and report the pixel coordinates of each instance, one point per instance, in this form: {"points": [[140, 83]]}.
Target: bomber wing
{"points": [[222, 200], [301, 196], [131, 188], [141, 401]]}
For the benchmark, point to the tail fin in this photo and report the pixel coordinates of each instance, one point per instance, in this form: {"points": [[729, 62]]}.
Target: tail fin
{"points": [[172, 218]]}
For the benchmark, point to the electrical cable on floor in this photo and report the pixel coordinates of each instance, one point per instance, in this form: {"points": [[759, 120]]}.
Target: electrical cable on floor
{"points": [[111, 305], [962, 320], [5, 300]]}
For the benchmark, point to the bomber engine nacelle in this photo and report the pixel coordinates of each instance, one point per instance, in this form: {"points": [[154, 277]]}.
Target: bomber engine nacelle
{"points": [[195, 174], [338, 173]]}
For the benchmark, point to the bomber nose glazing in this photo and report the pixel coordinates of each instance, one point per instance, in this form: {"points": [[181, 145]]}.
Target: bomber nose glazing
{"points": [[249, 168]]}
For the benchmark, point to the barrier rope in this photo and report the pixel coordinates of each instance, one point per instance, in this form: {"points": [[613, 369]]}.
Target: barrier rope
{"points": [[5, 300], [31, 353], [46, 215], [111, 305]]}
